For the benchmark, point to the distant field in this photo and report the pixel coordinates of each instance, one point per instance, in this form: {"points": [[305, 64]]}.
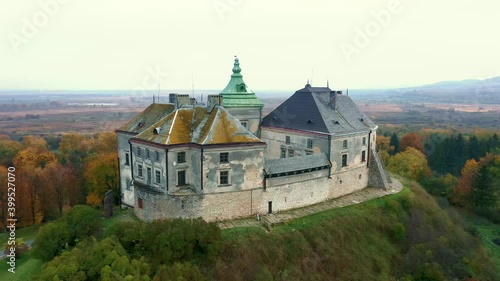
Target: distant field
{"points": [[58, 113]]}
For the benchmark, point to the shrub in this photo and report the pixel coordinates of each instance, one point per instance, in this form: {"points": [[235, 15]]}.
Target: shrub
{"points": [[83, 221], [398, 232], [20, 247], [50, 240]]}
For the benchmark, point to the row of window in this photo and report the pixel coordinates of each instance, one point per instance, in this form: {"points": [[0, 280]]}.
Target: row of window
{"points": [[147, 154], [181, 156], [309, 142], [344, 142], [140, 174], [181, 176], [223, 157], [344, 158]]}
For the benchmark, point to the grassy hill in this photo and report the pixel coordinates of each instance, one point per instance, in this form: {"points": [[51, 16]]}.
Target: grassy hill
{"points": [[405, 236]]}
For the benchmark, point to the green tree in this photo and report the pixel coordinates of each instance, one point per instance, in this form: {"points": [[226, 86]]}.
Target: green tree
{"points": [[83, 221], [179, 272], [50, 240], [411, 164], [394, 142]]}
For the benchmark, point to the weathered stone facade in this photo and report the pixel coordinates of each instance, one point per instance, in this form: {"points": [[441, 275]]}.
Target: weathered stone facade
{"points": [[226, 161]]}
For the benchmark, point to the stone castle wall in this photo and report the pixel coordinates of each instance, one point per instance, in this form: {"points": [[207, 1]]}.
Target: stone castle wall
{"points": [[285, 193]]}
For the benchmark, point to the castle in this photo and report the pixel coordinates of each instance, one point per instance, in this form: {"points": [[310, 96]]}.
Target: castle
{"points": [[224, 160]]}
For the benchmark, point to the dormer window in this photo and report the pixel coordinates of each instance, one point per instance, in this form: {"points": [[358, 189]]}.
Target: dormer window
{"points": [[157, 130], [140, 124]]}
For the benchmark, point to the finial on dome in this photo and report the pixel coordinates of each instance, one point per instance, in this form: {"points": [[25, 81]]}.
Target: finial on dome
{"points": [[236, 67], [308, 85]]}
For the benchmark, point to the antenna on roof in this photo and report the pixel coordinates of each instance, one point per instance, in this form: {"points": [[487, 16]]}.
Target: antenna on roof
{"points": [[347, 91], [327, 83], [154, 98], [192, 85]]}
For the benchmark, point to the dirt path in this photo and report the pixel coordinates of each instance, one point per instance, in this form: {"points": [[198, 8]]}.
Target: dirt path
{"points": [[351, 199]]}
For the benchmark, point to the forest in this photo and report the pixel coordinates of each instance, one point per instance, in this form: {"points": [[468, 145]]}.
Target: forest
{"points": [[418, 234]]}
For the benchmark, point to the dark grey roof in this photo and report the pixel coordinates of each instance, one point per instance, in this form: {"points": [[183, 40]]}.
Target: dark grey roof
{"points": [[309, 109], [284, 165]]}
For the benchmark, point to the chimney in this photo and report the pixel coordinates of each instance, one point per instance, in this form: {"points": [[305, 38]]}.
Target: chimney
{"points": [[179, 100], [192, 101], [333, 99], [212, 101]]}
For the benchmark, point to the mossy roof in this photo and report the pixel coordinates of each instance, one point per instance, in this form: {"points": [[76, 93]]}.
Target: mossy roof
{"points": [[197, 125], [148, 117]]}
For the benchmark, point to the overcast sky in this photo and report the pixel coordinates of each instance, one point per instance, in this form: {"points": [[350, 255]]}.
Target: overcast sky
{"points": [[121, 44]]}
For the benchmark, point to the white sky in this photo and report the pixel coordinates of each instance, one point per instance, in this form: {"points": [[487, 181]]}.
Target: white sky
{"points": [[110, 44]]}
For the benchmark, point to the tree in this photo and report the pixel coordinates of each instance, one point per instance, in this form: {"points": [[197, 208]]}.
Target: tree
{"points": [[383, 143], [8, 150], [50, 240], [394, 142], [101, 174], [411, 140], [3, 196], [411, 164], [179, 272], [83, 221], [106, 142], [464, 185], [485, 190]]}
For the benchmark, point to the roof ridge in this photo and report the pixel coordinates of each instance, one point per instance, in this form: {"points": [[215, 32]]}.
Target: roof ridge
{"points": [[171, 126], [212, 125]]}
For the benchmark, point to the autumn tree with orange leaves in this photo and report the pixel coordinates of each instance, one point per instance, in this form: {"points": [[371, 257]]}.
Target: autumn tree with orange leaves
{"points": [[411, 140]]}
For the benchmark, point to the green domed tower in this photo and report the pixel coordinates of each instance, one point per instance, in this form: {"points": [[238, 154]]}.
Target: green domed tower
{"points": [[241, 102]]}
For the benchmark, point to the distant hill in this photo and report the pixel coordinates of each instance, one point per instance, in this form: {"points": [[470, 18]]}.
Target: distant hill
{"points": [[466, 92]]}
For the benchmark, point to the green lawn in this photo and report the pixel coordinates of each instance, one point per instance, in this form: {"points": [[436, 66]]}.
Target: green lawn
{"points": [[28, 233], [26, 267], [486, 232]]}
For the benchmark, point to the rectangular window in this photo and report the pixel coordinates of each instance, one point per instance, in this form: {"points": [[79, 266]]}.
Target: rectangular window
{"points": [[224, 157], [344, 160], [127, 159], [363, 156], [344, 143], [139, 203], [157, 156], [157, 176], [181, 178], [287, 139], [224, 177], [149, 174], [308, 152], [310, 143], [181, 157], [139, 170], [283, 152], [147, 153], [244, 124], [128, 185], [364, 141], [290, 152], [138, 152]]}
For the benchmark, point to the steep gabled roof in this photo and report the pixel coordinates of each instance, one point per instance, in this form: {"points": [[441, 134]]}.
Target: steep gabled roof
{"points": [[310, 109], [148, 117], [196, 125]]}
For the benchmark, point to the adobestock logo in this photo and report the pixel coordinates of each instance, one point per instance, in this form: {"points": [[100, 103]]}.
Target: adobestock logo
{"points": [[224, 6], [363, 36], [31, 26]]}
